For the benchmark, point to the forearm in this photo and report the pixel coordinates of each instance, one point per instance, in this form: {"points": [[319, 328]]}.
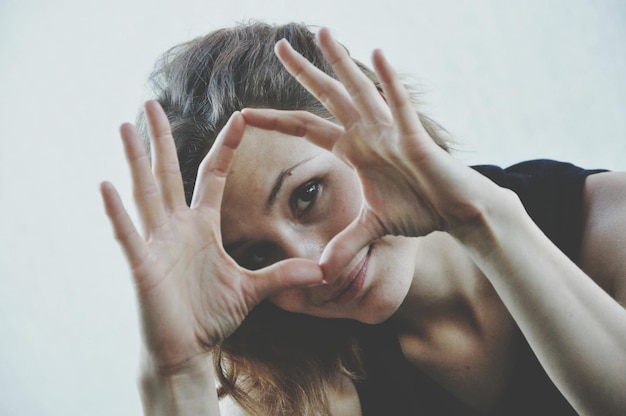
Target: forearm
{"points": [[577, 331], [189, 390]]}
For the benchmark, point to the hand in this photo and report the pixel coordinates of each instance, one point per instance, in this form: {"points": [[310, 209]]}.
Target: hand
{"points": [[411, 186], [191, 293]]}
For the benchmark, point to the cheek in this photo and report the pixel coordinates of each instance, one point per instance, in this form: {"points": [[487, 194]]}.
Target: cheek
{"points": [[349, 198]]}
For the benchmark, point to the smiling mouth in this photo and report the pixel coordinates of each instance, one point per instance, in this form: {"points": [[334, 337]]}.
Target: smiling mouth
{"points": [[354, 282]]}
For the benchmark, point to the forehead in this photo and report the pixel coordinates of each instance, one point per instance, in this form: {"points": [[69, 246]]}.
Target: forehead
{"points": [[264, 145], [262, 156]]}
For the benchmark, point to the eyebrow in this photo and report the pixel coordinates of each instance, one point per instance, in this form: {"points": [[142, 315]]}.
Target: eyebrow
{"points": [[278, 183], [271, 200]]}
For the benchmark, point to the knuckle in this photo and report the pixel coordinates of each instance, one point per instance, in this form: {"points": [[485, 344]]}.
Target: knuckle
{"points": [[167, 169], [146, 192]]}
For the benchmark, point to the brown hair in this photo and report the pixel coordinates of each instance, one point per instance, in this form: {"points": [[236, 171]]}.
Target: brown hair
{"points": [[276, 363]]}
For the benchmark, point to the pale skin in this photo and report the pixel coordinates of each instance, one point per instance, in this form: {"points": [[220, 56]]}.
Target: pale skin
{"points": [[409, 202]]}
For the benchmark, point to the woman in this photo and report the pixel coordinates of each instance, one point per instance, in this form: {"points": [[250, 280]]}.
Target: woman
{"points": [[445, 296]]}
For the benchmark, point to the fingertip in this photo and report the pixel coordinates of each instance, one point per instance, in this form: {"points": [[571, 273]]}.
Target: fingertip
{"points": [[308, 272], [105, 186], [323, 35], [233, 131], [383, 68], [127, 132], [328, 268], [281, 46], [151, 105], [231, 120], [157, 119], [304, 272], [107, 190], [109, 196], [125, 127], [246, 113], [379, 59], [148, 108], [342, 249], [237, 117], [260, 118], [378, 55]]}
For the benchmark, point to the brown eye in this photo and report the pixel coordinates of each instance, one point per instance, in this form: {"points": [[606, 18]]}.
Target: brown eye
{"points": [[304, 197], [258, 256]]}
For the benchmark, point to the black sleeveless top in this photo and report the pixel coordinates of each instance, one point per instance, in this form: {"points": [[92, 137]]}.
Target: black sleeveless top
{"points": [[551, 192]]}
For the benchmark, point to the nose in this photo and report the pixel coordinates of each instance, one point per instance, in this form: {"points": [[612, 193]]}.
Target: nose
{"points": [[303, 244]]}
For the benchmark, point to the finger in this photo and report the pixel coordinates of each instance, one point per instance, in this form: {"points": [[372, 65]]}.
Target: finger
{"points": [[214, 168], [398, 98], [124, 230], [145, 191], [361, 89], [340, 251], [330, 92], [323, 133], [166, 168], [285, 275]]}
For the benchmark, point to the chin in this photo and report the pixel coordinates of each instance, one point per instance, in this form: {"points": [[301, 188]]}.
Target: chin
{"points": [[377, 316], [380, 308]]}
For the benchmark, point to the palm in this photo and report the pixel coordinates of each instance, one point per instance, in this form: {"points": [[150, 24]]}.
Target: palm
{"points": [[192, 295], [411, 187], [392, 198], [184, 303]]}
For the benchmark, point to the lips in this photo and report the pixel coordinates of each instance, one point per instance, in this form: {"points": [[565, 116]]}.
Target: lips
{"points": [[353, 283]]}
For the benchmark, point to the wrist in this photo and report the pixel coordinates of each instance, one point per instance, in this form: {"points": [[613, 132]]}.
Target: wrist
{"points": [[152, 365], [496, 219], [187, 389]]}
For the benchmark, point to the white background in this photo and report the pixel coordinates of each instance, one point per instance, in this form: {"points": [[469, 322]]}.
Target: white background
{"points": [[511, 80]]}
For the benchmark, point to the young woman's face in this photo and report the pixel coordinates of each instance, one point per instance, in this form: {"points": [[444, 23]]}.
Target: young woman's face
{"points": [[286, 197]]}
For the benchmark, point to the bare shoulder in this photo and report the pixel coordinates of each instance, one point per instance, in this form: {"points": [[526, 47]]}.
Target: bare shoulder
{"points": [[603, 249], [229, 407], [343, 399]]}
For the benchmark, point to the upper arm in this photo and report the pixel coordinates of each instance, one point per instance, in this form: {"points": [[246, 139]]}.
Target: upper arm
{"points": [[603, 248]]}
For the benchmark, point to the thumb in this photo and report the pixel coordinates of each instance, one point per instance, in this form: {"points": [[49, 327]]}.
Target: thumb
{"points": [[345, 246], [286, 274]]}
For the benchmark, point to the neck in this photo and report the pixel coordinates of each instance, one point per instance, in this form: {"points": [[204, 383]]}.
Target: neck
{"points": [[445, 282]]}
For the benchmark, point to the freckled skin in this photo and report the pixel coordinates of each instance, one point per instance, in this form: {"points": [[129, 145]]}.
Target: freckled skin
{"points": [[260, 159]]}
